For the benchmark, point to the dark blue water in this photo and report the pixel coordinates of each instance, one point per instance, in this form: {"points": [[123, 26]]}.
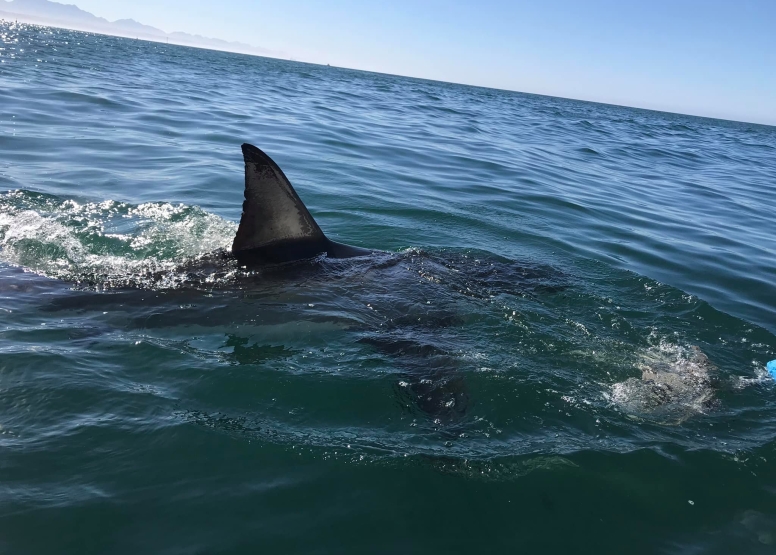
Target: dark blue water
{"points": [[562, 346]]}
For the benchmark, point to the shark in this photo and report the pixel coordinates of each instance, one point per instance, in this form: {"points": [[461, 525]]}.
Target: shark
{"points": [[276, 229], [412, 308]]}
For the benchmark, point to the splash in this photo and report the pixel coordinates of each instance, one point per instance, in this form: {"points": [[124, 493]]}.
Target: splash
{"points": [[676, 382], [107, 243]]}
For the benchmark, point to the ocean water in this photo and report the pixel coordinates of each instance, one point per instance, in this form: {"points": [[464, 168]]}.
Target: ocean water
{"points": [[560, 348]]}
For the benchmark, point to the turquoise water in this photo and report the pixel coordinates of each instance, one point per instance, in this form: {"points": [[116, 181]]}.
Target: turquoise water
{"points": [[561, 348]]}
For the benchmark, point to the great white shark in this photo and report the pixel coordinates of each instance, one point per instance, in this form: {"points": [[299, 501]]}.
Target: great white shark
{"points": [[412, 307], [276, 227]]}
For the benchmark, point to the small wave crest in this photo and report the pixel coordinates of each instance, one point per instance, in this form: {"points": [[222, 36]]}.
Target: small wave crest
{"points": [[106, 243]]}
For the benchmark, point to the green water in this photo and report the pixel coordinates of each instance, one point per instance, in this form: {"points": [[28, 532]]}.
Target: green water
{"points": [[561, 347]]}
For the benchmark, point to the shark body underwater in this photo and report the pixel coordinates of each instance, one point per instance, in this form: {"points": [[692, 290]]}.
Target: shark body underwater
{"points": [[414, 308], [276, 229]]}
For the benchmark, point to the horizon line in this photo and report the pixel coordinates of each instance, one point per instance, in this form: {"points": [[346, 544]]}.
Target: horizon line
{"points": [[292, 60]]}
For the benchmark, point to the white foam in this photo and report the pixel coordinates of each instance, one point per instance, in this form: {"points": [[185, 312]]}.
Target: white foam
{"points": [[674, 384], [106, 241]]}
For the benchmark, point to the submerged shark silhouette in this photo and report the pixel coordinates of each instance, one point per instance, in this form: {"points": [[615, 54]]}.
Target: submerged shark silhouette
{"points": [[276, 226], [413, 307]]}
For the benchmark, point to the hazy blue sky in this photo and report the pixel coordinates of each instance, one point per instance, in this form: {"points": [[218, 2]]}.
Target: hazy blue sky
{"points": [[705, 57]]}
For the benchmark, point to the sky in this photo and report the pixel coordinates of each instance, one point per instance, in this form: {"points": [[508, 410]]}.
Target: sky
{"points": [[712, 58]]}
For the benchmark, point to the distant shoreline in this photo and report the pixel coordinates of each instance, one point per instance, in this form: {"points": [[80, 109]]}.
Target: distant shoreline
{"points": [[176, 38]]}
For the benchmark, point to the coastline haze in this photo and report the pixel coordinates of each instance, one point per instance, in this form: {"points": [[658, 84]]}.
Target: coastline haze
{"points": [[698, 58]]}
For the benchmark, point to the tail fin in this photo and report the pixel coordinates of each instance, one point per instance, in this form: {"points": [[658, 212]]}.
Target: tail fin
{"points": [[274, 217]]}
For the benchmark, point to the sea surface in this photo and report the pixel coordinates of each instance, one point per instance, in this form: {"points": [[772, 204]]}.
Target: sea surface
{"points": [[560, 346]]}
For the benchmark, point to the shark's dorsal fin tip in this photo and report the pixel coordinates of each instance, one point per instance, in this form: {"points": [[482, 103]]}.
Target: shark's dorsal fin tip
{"points": [[254, 154]]}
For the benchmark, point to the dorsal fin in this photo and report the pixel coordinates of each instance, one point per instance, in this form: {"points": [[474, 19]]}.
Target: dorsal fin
{"points": [[273, 214]]}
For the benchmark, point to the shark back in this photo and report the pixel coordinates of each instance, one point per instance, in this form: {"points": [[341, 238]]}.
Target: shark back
{"points": [[276, 225]]}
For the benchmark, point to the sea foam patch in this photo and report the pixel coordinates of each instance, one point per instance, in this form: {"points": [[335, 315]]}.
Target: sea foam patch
{"points": [[106, 242], [676, 382]]}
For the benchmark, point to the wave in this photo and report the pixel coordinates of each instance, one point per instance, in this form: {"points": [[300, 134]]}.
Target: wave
{"points": [[109, 242]]}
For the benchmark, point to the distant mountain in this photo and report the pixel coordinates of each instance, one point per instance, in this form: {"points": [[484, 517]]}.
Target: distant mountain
{"points": [[54, 14], [53, 10], [132, 26]]}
